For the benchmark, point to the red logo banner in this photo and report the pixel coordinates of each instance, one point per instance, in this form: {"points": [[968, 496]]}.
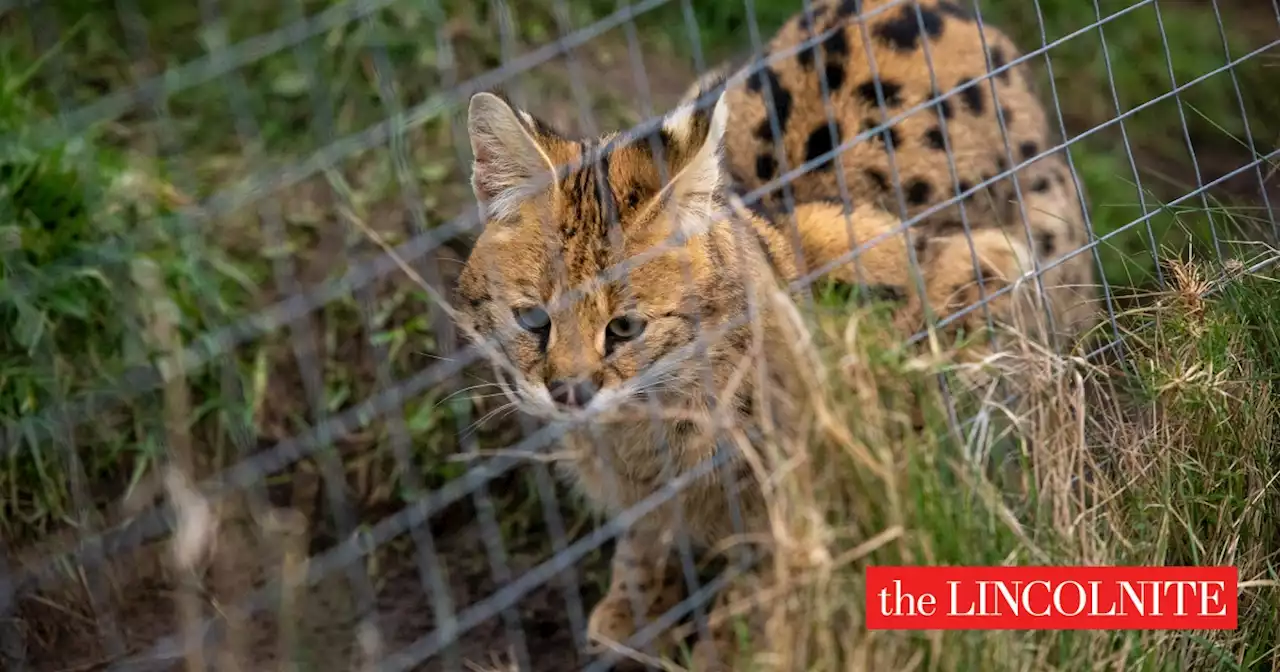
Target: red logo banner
{"points": [[1051, 598]]}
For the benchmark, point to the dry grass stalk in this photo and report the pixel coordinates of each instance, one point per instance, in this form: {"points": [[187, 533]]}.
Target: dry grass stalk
{"points": [[196, 521]]}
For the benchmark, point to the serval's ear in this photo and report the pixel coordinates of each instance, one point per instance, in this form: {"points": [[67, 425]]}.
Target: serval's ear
{"points": [[511, 162], [693, 141]]}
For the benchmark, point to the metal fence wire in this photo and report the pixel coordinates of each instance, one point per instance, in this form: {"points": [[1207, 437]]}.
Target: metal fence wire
{"points": [[273, 435]]}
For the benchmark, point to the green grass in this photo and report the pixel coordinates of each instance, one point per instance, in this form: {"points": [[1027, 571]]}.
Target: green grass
{"points": [[78, 219], [90, 206], [1140, 72], [1174, 464]]}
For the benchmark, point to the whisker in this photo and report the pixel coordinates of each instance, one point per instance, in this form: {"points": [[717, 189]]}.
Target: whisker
{"points": [[511, 391], [470, 429], [504, 410], [488, 396], [465, 389], [476, 377]]}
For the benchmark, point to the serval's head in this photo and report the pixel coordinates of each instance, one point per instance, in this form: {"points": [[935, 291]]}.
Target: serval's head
{"points": [[601, 260]]}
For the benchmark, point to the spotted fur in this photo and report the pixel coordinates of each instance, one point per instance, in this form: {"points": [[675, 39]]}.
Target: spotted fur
{"points": [[929, 131]]}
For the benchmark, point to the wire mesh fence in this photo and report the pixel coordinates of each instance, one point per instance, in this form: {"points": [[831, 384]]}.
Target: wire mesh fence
{"points": [[319, 357]]}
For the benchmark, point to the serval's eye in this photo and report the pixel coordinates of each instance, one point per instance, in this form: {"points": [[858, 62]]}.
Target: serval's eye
{"points": [[625, 328], [533, 319]]}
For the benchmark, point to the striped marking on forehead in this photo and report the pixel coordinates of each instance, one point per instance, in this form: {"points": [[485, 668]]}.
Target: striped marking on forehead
{"points": [[588, 195]]}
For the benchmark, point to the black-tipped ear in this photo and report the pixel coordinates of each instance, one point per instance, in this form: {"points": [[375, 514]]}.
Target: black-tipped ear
{"points": [[709, 86], [694, 139], [509, 166], [689, 128]]}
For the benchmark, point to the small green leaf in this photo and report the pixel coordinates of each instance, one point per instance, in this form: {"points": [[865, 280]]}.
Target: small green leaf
{"points": [[74, 305], [435, 171], [290, 84], [29, 327]]}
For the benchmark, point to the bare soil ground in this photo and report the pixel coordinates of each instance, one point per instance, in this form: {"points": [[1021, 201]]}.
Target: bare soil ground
{"points": [[61, 633]]}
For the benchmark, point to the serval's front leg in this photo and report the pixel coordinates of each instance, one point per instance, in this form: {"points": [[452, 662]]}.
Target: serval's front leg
{"points": [[731, 629], [644, 584]]}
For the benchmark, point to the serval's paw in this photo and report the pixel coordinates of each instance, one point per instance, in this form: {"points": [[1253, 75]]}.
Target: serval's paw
{"points": [[613, 621]]}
